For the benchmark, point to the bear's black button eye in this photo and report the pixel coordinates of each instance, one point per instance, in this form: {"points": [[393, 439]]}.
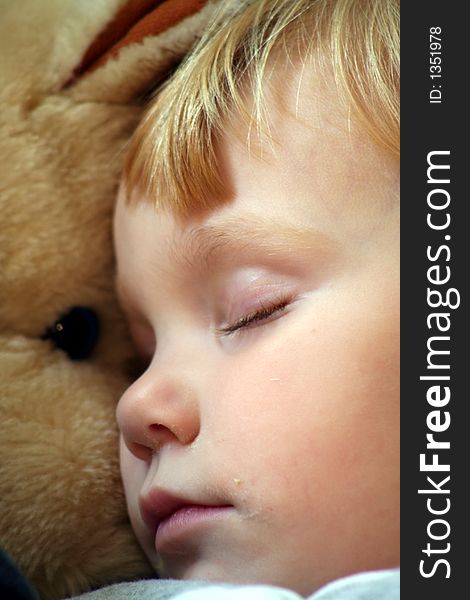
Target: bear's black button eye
{"points": [[76, 332]]}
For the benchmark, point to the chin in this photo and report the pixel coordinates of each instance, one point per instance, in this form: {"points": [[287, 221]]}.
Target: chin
{"points": [[197, 570], [217, 572]]}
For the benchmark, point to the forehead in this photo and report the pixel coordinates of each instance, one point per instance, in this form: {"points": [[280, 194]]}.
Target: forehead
{"points": [[313, 147]]}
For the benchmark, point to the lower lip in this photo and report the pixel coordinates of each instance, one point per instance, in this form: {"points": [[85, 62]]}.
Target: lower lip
{"points": [[183, 522]]}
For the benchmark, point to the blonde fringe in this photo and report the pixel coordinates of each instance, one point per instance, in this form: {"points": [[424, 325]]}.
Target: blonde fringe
{"points": [[172, 160]]}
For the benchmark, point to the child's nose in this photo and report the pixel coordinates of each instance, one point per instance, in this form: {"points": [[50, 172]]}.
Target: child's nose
{"points": [[158, 409]]}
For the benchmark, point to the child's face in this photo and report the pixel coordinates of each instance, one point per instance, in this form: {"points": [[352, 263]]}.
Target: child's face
{"points": [[288, 421]]}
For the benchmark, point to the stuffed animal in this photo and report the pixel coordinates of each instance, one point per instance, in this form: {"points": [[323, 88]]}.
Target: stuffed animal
{"points": [[74, 77]]}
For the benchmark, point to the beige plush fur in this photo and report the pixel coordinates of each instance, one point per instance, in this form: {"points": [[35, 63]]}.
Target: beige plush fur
{"points": [[62, 511]]}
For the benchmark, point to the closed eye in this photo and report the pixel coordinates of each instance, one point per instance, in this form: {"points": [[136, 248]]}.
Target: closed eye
{"points": [[262, 315]]}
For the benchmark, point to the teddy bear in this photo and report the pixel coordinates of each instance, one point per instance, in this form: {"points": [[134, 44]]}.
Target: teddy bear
{"points": [[74, 80]]}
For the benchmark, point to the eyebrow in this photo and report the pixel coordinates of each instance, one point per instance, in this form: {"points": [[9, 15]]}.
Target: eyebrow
{"points": [[207, 246], [235, 237]]}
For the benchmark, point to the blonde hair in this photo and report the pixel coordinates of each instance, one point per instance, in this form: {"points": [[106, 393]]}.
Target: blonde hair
{"points": [[172, 158]]}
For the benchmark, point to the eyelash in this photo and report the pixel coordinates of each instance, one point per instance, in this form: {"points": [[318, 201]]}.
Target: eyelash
{"points": [[260, 315]]}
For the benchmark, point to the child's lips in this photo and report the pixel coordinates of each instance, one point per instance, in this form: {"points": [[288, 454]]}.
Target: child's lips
{"points": [[182, 529], [167, 515]]}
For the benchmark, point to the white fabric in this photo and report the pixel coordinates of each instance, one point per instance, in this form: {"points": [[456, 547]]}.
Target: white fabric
{"points": [[242, 592], [374, 585]]}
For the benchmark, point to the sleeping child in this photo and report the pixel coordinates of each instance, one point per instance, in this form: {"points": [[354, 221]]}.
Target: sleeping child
{"points": [[257, 243]]}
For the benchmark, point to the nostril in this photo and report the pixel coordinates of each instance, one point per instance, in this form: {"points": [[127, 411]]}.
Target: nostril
{"points": [[173, 432], [157, 428], [159, 434]]}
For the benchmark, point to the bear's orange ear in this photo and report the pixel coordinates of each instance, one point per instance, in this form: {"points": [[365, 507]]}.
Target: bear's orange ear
{"points": [[136, 20]]}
